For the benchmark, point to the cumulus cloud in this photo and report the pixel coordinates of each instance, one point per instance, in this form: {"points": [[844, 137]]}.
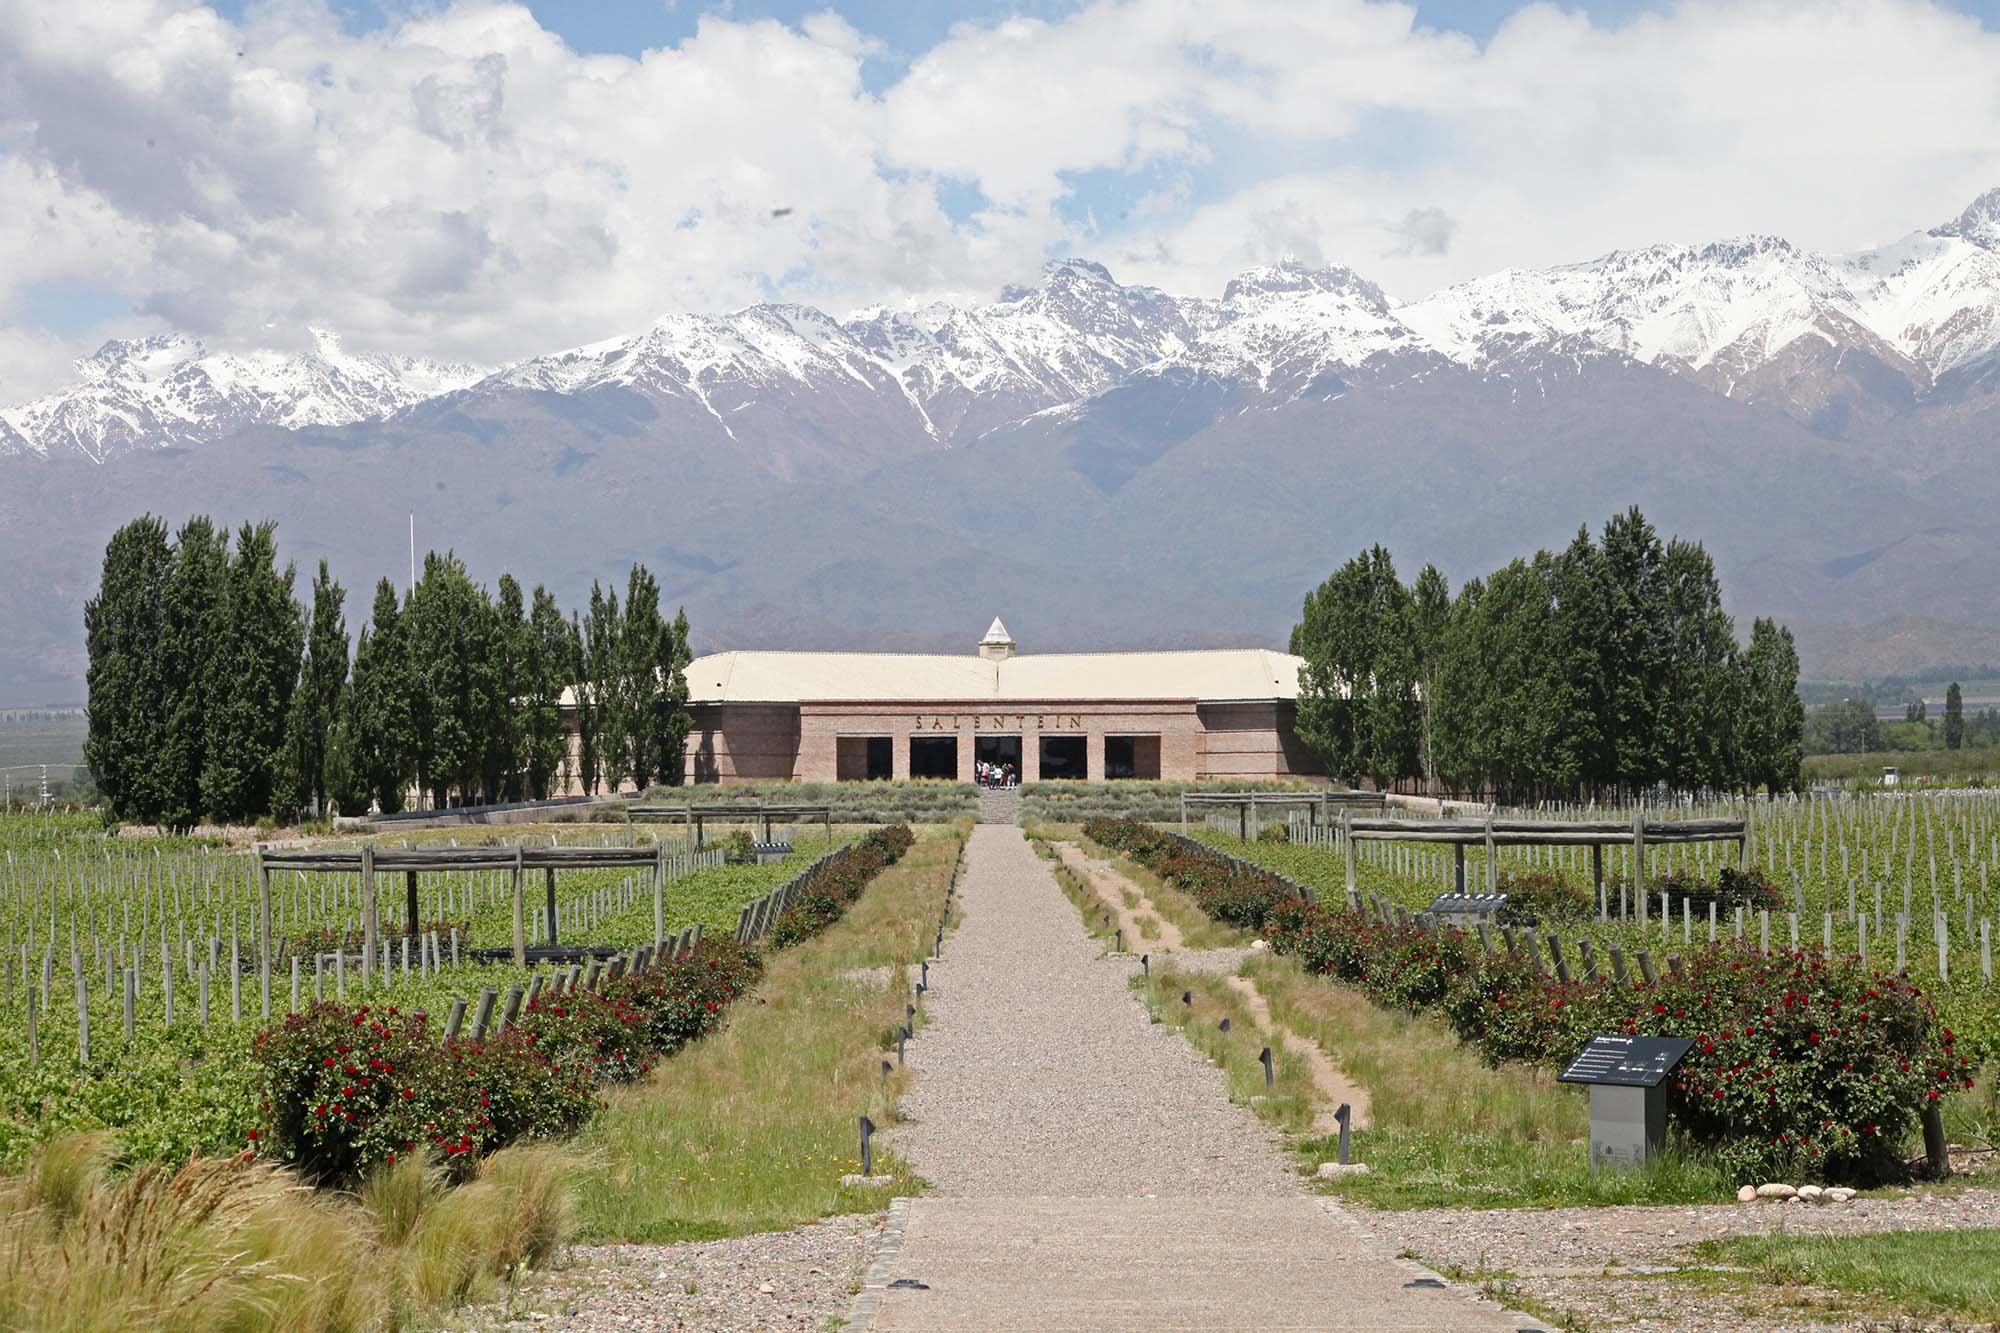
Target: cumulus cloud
{"points": [[461, 183]]}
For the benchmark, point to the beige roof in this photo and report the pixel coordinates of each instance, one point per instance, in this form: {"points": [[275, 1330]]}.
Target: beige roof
{"points": [[779, 677]]}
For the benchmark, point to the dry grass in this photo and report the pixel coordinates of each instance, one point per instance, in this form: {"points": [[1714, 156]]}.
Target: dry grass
{"points": [[1291, 1102], [752, 1128], [221, 1243]]}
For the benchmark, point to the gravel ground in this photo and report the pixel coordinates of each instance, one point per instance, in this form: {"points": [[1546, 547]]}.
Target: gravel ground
{"points": [[796, 1279], [1606, 1265], [1040, 1075]]}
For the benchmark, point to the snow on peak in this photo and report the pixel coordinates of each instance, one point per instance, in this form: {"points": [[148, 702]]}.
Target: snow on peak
{"points": [[1289, 277], [168, 389], [1979, 223]]}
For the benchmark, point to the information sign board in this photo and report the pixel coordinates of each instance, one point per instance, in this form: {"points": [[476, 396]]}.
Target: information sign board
{"points": [[1627, 1062]]}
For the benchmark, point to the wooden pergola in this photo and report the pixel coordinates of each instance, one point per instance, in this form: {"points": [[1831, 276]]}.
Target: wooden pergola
{"points": [[368, 862], [696, 815], [1492, 834], [1319, 805]]}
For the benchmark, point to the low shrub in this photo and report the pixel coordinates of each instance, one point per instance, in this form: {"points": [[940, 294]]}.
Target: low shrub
{"points": [[833, 885], [1802, 1067], [1228, 891], [1538, 896]]}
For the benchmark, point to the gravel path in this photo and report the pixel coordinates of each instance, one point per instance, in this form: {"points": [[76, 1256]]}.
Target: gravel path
{"points": [[1039, 1074], [798, 1279], [1611, 1267], [1089, 1169]]}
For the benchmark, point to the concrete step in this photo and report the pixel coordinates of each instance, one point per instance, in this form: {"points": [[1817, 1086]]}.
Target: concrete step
{"points": [[999, 805]]}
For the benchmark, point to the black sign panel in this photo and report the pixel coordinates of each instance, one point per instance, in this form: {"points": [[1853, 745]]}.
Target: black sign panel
{"points": [[1627, 1062]]}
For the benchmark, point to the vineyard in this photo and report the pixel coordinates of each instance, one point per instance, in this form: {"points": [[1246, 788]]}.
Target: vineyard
{"points": [[1900, 882], [134, 981]]}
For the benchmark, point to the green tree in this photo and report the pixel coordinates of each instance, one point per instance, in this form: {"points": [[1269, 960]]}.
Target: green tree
{"points": [[1697, 705], [450, 623], [129, 706], [673, 719], [641, 691], [1635, 663], [1356, 689], [1954, 717], [1430, 616], [259, 667], [1579, 757], [380, 727], [610, 727], [1771, 718], [549, 653], [316, 702], [190, 657], [507, 703], [585, 701]]}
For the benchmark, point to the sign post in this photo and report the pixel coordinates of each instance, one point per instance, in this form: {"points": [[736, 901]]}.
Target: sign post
{"points": [[1628, 1097]]}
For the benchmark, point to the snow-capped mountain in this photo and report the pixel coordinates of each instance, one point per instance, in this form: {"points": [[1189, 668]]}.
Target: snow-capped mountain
{"points": [[1828, 339], [170, 390]]}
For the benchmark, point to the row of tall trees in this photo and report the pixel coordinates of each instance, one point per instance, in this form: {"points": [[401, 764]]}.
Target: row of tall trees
{"points": [[214, 693], [1608, 667]]}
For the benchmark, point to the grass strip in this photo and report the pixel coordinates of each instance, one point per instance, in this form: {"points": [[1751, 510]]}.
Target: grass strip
{"points": [[1198, 929], [1450, 1132], [1928, 1272], [1291, 1102], [753, 1128]]}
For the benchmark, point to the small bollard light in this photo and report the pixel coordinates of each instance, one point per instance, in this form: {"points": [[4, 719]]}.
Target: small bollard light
{"points": [[887, 1069], [1264, 1058], [924, 974], [1344, 1115], [1146, 964], [920, 990], [1187, 998], [1225, 1025], [867, 1152], [910, 1011], [1118, 940], [902, 1036]]}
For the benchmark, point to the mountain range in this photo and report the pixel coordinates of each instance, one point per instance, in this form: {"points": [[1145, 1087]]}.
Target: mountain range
{"points": [[1106, 465]]}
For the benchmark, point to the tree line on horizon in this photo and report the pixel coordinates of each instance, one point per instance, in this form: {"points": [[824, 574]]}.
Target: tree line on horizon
{"points": [[1608, 668], [214, 694]]}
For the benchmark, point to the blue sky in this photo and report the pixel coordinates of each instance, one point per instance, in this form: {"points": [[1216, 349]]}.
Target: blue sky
{"points": [[627, 27]]}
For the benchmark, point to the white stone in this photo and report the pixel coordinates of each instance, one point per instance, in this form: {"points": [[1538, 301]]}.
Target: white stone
{"points": [[1776, 1190], [1810, 1193], [1255, 945], [1335, 1170], [1839, 1194], [859, 1182], [767, 1289], [1748, 1194]]}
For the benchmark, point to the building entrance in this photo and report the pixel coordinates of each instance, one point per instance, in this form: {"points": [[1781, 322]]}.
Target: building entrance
{"points": [[1002, 753], [1064, 758], [934, 757]]}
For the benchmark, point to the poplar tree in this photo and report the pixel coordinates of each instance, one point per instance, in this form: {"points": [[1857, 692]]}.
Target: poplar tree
{"points": [[547, 672], [506, 701], [1770, 724], [640, 689], [1430, 616], [259, 667], [675, 720], [316, 702], [451, 631], [191, 656], [1954, 717], [124, 626], [600, 676], [379, 729], [585, 699], [1633, 666]]}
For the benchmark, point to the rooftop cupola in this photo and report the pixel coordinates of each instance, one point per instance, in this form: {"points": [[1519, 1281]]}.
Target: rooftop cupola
{"points": [[998, 645]]}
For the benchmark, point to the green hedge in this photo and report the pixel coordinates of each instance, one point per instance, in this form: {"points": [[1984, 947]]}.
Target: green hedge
{"points": [[1147, 802], [916, 801]]}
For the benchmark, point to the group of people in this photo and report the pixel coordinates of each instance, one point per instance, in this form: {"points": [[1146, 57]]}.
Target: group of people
{"points": [[995, 775]]}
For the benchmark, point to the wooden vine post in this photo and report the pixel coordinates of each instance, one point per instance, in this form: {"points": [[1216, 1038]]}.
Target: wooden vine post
{"points": [[264, 929], [659, 895], [1347, 851], [520, 915], [368, 926], [1639, 860]]}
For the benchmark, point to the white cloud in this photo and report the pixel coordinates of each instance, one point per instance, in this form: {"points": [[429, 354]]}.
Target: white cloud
{"points": [[462, 183]]}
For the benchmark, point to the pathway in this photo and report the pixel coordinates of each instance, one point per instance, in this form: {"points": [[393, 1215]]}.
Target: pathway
{"points": [[1090, 1171]]}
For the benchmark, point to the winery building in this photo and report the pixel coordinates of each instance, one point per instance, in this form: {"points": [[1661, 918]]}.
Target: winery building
{"points": [[817, 717]]}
